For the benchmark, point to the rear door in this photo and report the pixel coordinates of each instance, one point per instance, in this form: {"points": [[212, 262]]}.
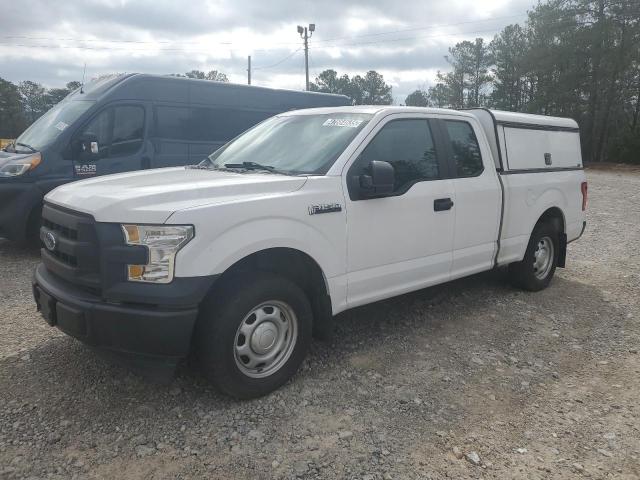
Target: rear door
{"points": [[121, 132], [478, 196]]}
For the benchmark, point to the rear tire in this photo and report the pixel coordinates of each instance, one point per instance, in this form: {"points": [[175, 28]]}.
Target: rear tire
{"points": [[538, 266], [253, 333]]}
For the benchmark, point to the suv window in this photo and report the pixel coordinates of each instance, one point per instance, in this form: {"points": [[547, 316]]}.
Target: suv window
{"points": [[120, 130], [464, 148], [408, 146]]}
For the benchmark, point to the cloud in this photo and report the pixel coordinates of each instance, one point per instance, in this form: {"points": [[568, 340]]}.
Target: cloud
{"points": [[403, 40]]}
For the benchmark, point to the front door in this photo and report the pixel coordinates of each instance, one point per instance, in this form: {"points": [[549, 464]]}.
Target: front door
{"points": [[120, 131], [400, 242]]}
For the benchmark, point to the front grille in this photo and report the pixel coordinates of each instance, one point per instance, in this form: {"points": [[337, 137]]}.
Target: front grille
{"points": [[74, 253]]}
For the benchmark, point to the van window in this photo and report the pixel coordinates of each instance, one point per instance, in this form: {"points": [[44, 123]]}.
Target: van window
{"points": [[100, 127], [119, 130], [222, 124], [172, 123], [128, 130], [408, 146], [204, 124], [464, 148]]}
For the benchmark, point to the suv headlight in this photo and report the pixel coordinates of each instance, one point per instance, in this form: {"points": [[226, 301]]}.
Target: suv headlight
{"points": [[15, 168], [163, 243]]}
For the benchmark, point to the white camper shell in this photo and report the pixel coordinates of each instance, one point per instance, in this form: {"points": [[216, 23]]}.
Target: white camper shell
{"points": [[521, 141]]}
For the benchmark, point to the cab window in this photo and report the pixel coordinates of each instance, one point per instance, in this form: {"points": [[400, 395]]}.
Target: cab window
{"points": [[408, 146], [464, 149]]}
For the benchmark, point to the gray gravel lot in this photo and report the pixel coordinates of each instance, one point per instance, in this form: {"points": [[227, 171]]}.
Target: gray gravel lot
{"points": [[473, 379]]}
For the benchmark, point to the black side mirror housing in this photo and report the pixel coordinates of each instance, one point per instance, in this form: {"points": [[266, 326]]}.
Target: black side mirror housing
{"points": [[87, 148], [379, 181]]}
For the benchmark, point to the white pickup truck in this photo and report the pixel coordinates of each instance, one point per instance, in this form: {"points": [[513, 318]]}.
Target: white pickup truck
{"points": [[241, 258]]}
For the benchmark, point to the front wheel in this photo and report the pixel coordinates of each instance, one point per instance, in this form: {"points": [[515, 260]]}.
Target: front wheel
{"points": [[536, 269], [253, 334]]}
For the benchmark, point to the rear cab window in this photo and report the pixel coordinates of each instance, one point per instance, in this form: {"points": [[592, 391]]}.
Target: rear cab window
{"points": [[464, 149]]}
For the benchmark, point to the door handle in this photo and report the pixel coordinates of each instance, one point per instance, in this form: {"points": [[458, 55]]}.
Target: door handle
{"points": [[441, 204]]}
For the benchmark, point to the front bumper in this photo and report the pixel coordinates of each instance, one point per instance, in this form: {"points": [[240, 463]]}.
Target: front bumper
{"points": [[17, 201], [142, 334]]}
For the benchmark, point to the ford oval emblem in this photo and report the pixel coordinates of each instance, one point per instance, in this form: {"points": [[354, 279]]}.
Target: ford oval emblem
{"points": [[50, 241]]}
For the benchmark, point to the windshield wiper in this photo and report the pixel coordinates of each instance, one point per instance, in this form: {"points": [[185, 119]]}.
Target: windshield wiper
{"points": [[250, 166], [33, 150]]}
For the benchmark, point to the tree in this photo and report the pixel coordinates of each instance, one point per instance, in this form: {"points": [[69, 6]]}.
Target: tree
{"points": [[373, 88], [12, 121], [440, 94], [34, 99], [368, 90], [213, 75], [417, 98]]}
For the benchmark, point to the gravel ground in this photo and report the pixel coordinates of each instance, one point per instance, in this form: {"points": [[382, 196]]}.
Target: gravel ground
{"points": [[473, 379]]}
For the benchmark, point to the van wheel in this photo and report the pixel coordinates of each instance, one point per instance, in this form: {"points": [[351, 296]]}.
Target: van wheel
{"points": [[253, 334], [536, 269]]}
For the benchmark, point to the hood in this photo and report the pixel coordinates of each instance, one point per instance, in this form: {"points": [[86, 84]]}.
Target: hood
{"points": [[151, 196]]}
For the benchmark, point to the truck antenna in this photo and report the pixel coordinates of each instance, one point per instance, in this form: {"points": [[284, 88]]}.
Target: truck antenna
{"points": [[84, 71]]}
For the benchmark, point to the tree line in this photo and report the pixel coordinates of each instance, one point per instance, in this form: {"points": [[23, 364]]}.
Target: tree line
{"points": [[571, 58]]}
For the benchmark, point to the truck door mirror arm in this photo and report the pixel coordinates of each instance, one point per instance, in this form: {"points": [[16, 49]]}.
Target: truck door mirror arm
{"points": [[379, 180]]}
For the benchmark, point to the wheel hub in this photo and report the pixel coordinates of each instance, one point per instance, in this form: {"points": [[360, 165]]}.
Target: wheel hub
{"points": [[543, 258], [264, 337]]}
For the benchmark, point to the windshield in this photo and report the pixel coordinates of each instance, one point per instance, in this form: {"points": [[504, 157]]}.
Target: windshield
{"points": [[295, 144], [47, 128]]}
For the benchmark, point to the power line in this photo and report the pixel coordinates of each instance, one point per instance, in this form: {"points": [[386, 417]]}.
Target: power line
{"points": [[425, 27], [278, 62], [229, 43]]}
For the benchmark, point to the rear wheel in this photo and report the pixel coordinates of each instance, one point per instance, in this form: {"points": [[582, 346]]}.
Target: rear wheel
{"points": [[538, 266], [253, 334]]}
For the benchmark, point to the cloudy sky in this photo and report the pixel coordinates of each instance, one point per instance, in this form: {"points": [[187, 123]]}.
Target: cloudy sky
{"points": [[405, 40]]}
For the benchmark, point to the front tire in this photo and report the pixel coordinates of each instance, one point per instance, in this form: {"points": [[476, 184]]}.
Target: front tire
{"points": [[538, 266], [253, 334]]}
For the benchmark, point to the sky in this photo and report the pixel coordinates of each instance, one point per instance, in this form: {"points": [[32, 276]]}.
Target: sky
{"points": [[405, 40]]}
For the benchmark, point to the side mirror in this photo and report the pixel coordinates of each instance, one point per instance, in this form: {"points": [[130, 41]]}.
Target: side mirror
{"points": [[87, 148], [378, 181]]}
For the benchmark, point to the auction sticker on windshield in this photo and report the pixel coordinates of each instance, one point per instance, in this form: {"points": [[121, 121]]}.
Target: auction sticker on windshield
{"points": [[342, 122]]}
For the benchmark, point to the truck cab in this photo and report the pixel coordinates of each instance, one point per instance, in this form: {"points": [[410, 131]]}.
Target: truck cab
{"points": [[241, 258]]}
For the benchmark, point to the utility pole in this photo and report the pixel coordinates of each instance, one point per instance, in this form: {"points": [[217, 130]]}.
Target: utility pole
{"points": [[305, 34], [249, 70]]}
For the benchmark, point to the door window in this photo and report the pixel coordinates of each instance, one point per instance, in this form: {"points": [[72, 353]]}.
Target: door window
{"points": [[408, 146], [128, 130], [100, 127], [119, 130], [464, 148]]}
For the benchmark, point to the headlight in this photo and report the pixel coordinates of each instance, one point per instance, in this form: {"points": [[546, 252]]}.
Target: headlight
{"points": [[14, 168], [163, 243]]}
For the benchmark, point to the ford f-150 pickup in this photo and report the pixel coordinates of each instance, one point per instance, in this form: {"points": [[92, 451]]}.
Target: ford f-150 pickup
{"points": [[242, 258]]}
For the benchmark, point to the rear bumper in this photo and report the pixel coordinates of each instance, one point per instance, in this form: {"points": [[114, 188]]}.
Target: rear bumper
{"points": [[140, 334]]}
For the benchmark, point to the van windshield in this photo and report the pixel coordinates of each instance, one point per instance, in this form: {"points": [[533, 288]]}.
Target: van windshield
{"points": [[291, 144], [47, 128]]}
